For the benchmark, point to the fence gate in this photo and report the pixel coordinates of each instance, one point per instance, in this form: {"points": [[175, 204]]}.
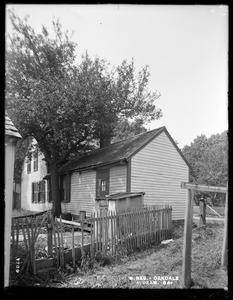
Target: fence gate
{"points": [[26, 229]]}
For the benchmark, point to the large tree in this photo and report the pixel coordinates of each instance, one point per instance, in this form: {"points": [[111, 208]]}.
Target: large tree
{"points": [[66, 106], [209, 160]]}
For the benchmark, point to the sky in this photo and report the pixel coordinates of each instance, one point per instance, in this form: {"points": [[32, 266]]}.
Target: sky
{"points": [[185, 47]]}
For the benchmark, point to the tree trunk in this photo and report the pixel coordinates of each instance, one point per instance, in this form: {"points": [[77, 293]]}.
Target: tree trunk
{"points": [[55, 191]]}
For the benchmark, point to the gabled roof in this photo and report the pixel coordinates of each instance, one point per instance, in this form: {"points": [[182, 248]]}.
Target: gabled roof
{"points": [[10, 129], [116, 152]]}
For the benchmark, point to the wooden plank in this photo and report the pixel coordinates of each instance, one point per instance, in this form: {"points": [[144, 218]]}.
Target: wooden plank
{"points": [[62, 245], [140, 215], [17, 238], [186, 268], [204, 188], [106, 230], [94, 239], [73, 251], [119, 241], [97, 232], [69, 222], [202, 207], [59, 244], [49, 235], [112, 239], [139, 229], [91, 232], [55, 240], [224, 262], [26, 246], [33, 244], [13, 238], [30, 246], [38, 230], [129, 225], [133, 229], [101, 231], [82, 242]]}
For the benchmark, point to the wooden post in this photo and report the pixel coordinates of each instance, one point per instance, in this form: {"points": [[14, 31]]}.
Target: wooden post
{"points": [[202, 206], [186, 271], [73, 250], [225, 238], [49, 235]]}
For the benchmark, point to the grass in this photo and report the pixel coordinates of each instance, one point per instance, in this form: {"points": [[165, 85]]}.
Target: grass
{"points": [[209, 212], [162, 260]]}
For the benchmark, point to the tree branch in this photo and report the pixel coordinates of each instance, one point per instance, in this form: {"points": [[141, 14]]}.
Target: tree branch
{"points": [[73, 147]]}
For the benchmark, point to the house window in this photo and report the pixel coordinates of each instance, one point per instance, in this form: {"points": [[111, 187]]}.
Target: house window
{"points": [[35, 160], [29, 165], [38, 192], [65, 188], [102, 183]]}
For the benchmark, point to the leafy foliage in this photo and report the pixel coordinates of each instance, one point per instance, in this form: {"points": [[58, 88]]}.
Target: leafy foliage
{"points": [[209, 160], [69, 108]]}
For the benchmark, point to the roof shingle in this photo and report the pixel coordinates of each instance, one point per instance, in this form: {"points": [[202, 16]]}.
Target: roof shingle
{"points": [[10, 128], [113, 153]]}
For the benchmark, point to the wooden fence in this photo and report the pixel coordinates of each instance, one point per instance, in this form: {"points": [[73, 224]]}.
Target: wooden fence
{"points": [[26, 230], [130, 230], [106, 232]]}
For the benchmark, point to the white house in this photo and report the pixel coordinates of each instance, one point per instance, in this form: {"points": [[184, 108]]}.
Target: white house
{"points": [[34, 189]]}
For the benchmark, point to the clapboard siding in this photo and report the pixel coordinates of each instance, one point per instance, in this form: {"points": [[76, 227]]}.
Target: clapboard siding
{"points": [[117, 179], [82, 196], [158, 170], [26, 186]]}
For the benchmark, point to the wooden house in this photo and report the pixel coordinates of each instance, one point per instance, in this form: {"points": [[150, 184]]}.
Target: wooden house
{"points": [[148, 163], [35, 189]]}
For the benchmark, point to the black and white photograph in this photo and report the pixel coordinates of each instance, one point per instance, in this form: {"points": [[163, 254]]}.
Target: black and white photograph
{"points": [[116, 148]]}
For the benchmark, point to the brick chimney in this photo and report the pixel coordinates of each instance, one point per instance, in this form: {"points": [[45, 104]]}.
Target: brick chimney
{"points": [[105, 139]]}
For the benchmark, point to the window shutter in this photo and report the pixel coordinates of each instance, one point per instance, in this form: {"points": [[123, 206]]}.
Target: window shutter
{"points": [[29, 166], [42, 191], [47, 191], [35, 160], [36, 192], [67, 188], [33, 197]]}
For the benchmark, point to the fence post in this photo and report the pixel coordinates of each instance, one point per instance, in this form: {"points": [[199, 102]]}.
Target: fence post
{"points": [[225, 238], [186, 268], [202, 206], [50, 235]]}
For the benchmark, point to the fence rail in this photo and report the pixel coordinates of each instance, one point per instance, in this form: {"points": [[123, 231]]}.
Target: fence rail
{"points": [[106, 232]]}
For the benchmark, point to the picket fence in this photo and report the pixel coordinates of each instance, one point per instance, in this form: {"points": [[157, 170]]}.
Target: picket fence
{"points": [[108, 232]]}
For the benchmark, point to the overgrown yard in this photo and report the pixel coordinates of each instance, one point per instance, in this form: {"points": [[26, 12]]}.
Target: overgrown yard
{"points": [[148, 268]]}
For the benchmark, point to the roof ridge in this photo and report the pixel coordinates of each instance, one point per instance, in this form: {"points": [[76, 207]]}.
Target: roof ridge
{"points": [[133, 136]]}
